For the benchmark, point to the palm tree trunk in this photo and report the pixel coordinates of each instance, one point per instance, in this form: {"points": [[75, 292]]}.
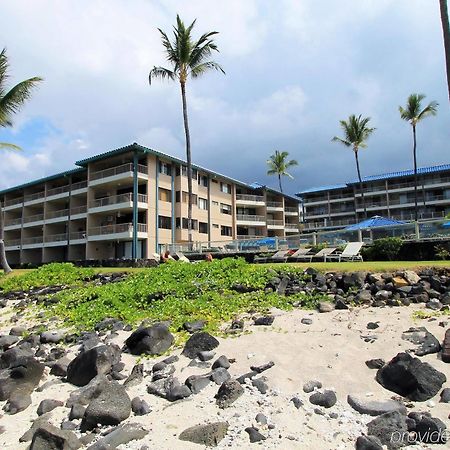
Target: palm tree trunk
{"points": [[446, 33], [416, 211], [360, 184], [3, 261], [279, 182], [188, 159]]}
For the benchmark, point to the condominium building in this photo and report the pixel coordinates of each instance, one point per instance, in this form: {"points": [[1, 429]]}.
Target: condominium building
{"points": [[388, 195], [129, 202]]}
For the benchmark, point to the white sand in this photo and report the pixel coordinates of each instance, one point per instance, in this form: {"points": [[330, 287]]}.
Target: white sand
{"points": [[330, 350]]}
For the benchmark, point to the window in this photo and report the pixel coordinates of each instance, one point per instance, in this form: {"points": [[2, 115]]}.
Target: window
{"points": [[215, 203], [177, 196], [164, 195], [184, 172], [225, 231], [165, 168], [215, 225], [186, 198], [203, 227], [165, 222], [202, 203], [203, 180], [225, 209], [184, 222], [225, 188]]}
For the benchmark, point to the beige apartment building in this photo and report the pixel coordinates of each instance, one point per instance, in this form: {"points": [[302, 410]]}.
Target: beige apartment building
{"points": [[129, 203]]}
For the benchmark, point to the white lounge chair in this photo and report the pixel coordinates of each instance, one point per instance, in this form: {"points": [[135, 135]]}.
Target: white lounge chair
{"points": [[276, 257], [180, 257], [320, 254], [300, 253], [351, 252]]}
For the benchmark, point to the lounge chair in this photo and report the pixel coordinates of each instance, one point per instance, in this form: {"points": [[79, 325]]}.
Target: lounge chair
{"points": [[180, 257], [351, 252], [276, 257], [320, 254], [300, 253]]}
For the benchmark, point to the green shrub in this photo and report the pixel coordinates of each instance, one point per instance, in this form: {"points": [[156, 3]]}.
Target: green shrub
{"points": [[47, 275], [442, 251], [384, 249]]}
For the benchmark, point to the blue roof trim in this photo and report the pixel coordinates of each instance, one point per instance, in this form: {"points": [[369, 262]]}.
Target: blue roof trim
{"points": [[385, 176]]}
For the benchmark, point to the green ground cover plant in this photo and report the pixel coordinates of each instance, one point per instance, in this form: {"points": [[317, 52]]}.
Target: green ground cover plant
{"points": [[48, 275], [215, 292]]}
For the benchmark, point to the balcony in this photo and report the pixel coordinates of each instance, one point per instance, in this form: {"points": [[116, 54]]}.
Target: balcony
{"points": [[78, 188], [253, 220], [56, 240], [78, 212], [290, 211], [249, 236], [77, 237], [273, 224], [32, 242], [249, 200], [30, 221], [291, 227], [125, 171], [122, 201], [57, 216], [13, 224], [275, 206], [12, 244], [123, 231], [32, 199], [59, 192], [12, 204], [328, 224]]}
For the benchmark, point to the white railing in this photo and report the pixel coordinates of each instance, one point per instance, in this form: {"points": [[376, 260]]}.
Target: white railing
{"points": [[36, 196], [291, 209], [274, 204], [78, 210], [275, 222], [59, 213], [76, 235], [117, 228], [79, 185], [249, 198], [32, 240], [56, 237], [11, 222], [291, 226], [117, 171], [248, 236], [250, 218], [115, 199], [35, 218], [58, 190]]}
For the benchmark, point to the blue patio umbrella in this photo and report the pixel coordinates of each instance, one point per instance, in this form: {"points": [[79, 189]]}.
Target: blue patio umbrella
{"points": [[375, 221], [446, 225]]}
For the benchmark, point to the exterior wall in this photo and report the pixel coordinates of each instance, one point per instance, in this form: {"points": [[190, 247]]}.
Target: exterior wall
{"points": [[391, 197], [89, 215]]}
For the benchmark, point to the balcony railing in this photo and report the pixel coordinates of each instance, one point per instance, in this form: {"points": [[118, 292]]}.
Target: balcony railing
{"points": [[250, 218], [250, 198], [291, 226], [274, 204], [291, 209], [13, 201], [115, 199], [78, 210], [117, 228], [275, 222], [76, 235], [12, 242], [56, 237], [59, 213], [79, 185], [35, 196], [11, 222], [249, 236], [32, 240], [117, 171], [58, 190], [35, 218]]}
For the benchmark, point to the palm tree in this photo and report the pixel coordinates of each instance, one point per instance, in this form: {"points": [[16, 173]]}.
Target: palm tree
{"points": [[10, 103], [414, 113], [446, 33], [356, 133], [188, 58], [278, 165]]}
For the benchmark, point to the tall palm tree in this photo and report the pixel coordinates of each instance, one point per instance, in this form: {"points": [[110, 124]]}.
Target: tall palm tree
{"points": [[188, 58], [446, 33], [10, 103], [278, 165], [356, 132], [414, 113]]}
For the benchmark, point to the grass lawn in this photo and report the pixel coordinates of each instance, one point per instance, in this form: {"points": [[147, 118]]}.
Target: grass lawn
{"points": [[368, 266]]}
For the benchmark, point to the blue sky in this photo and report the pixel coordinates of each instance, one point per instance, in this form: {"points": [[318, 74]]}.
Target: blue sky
{"points": [[293, 70]]}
